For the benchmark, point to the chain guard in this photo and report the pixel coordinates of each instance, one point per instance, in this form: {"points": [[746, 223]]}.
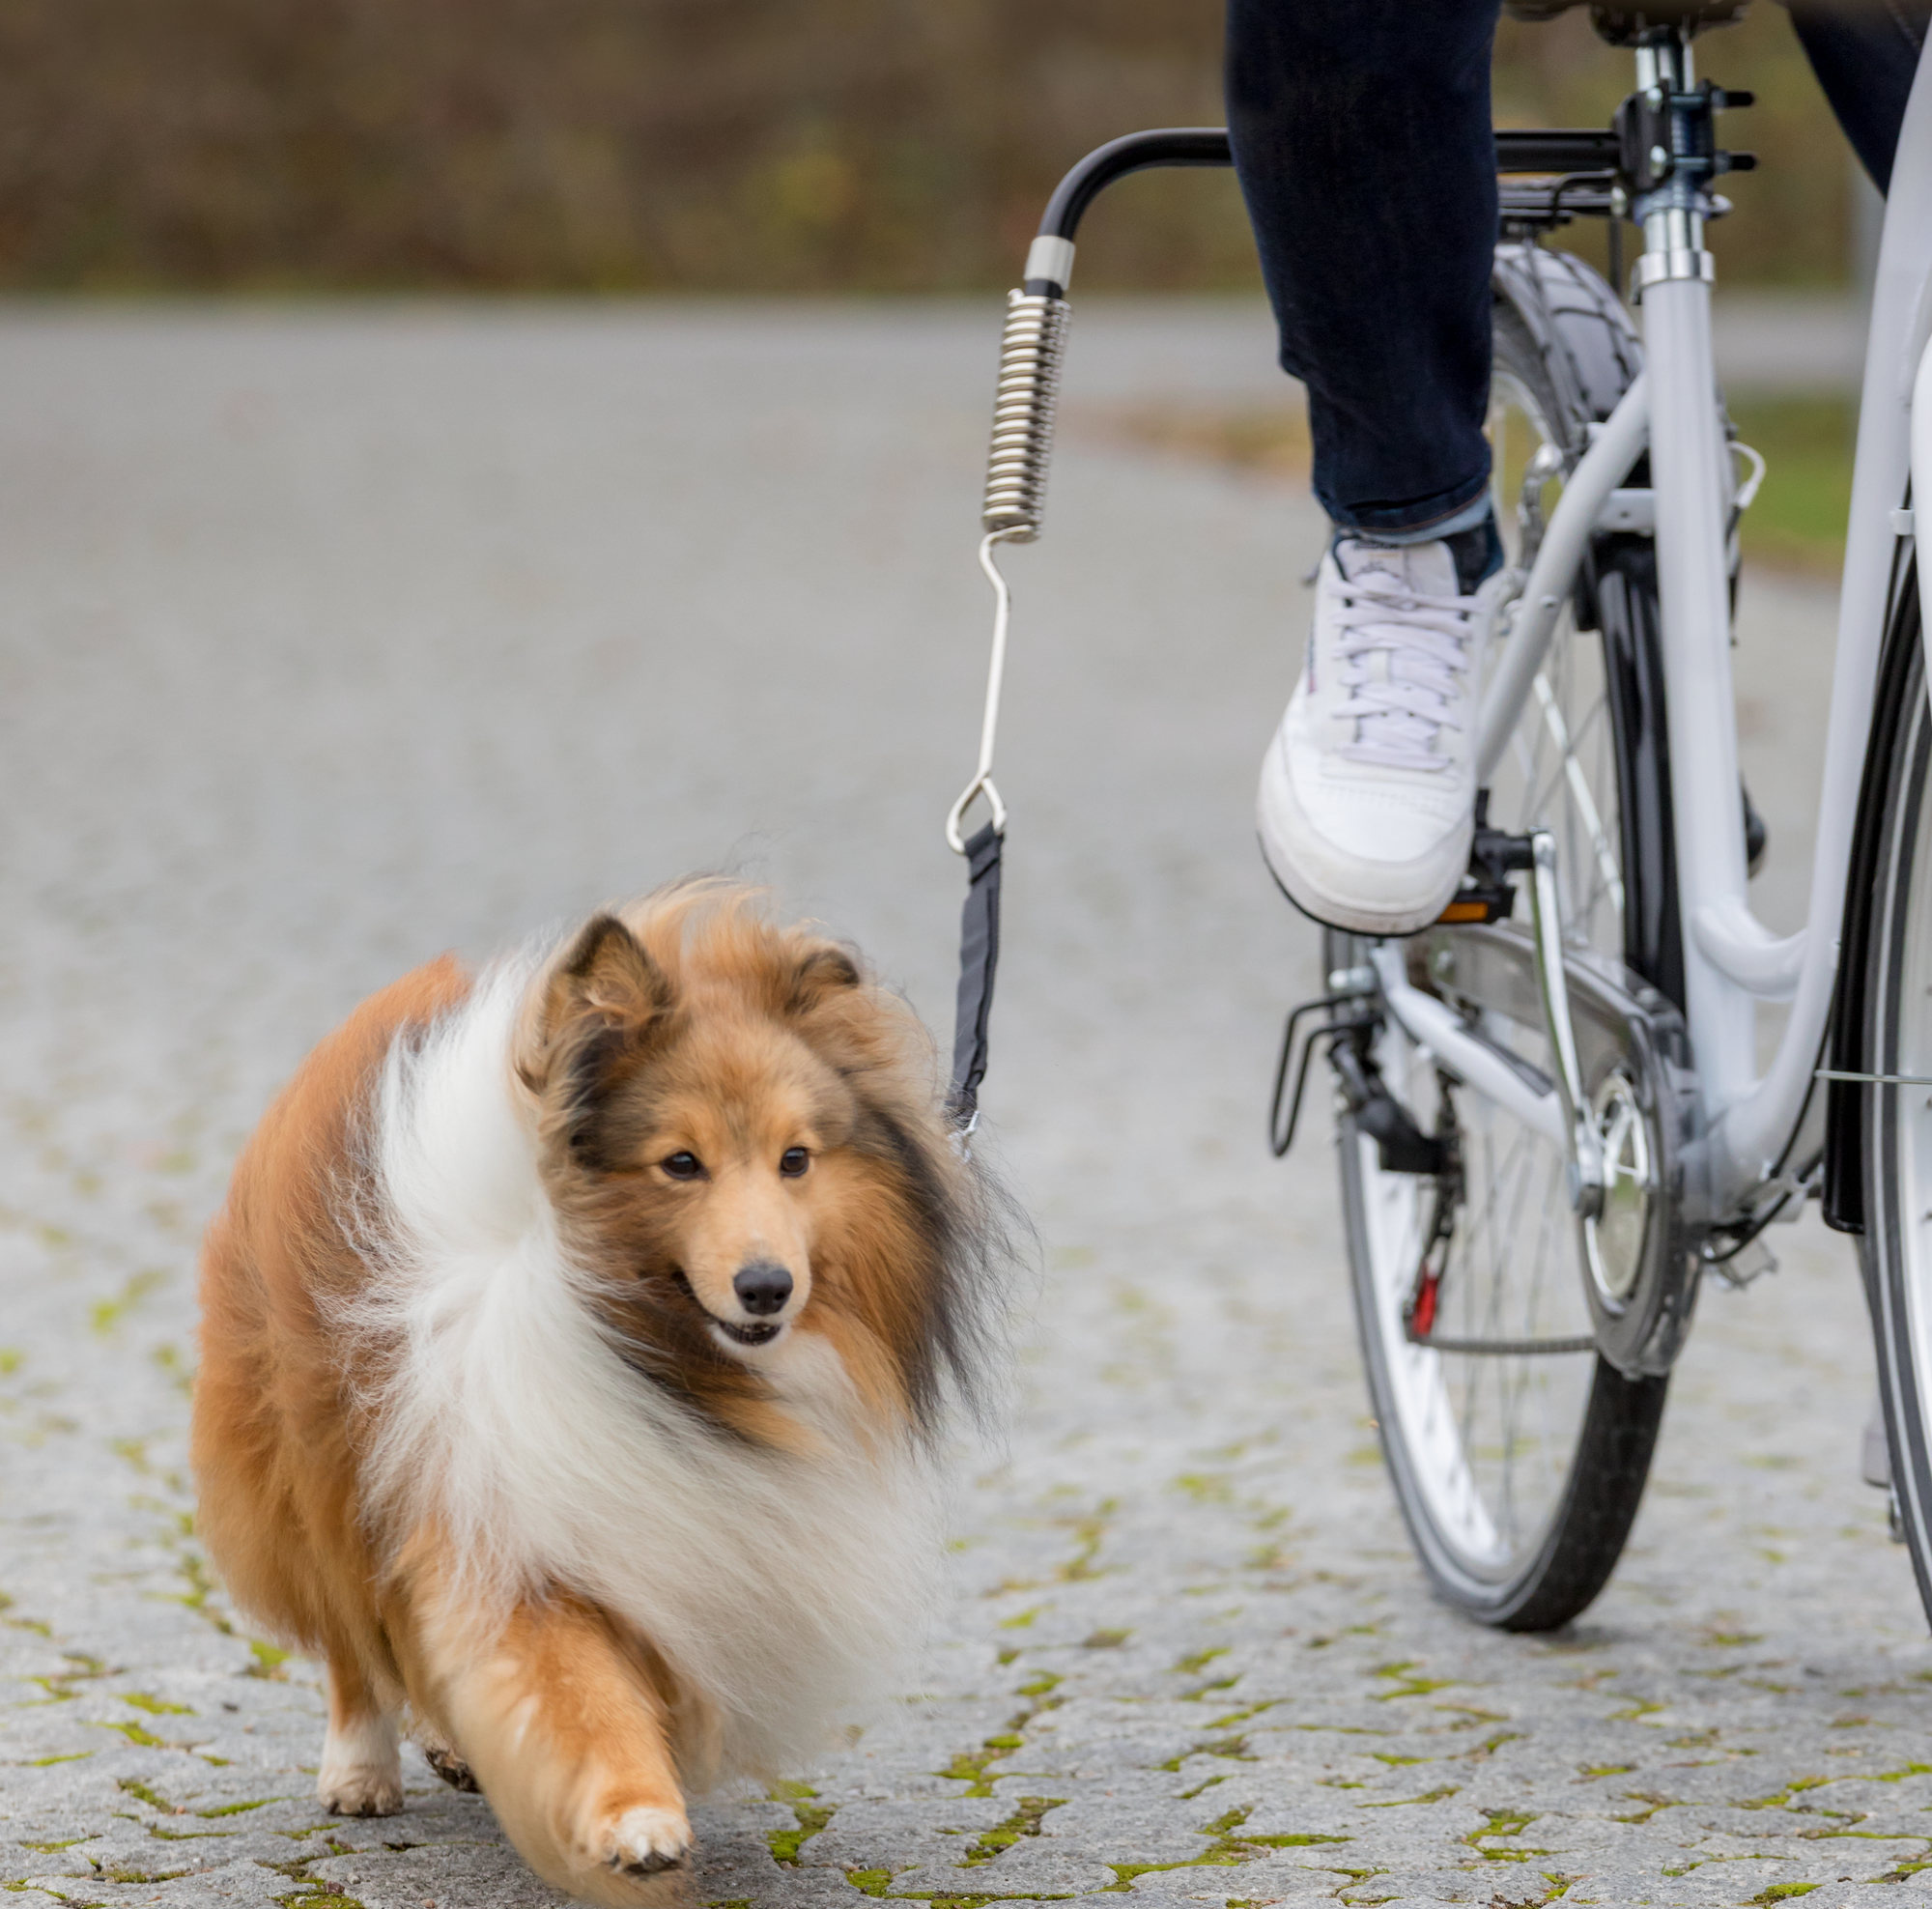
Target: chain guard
{"points": [[1625, 1033]]}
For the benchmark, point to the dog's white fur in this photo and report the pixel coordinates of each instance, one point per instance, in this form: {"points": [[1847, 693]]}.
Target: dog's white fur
{"points": [[778, 1589]]}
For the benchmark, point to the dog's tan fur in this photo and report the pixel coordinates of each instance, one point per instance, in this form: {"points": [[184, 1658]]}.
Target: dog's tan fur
{"points": [[686, 1025]]}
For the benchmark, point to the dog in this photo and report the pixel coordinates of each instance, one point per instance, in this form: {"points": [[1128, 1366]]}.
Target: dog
{"points": [[576, 1340]]}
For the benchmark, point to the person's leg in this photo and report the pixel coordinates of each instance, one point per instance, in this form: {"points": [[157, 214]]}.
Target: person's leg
{"points": [[1865, 57], [1361, 133], [1362, 137]]}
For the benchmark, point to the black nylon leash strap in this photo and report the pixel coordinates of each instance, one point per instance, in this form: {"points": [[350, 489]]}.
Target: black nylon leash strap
{"points": [[979, 957]]}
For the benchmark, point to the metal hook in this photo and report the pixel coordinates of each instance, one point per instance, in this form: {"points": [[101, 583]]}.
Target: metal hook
{"points": [[982, 777]]}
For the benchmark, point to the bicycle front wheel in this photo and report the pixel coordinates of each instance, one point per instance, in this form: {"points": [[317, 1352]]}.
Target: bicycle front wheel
{"points": [[1897, 1242], [1518, 1454]]}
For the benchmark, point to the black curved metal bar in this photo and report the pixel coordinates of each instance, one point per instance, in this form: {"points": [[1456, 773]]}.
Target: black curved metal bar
{"points": [[1135, 152], [1559, 151]]}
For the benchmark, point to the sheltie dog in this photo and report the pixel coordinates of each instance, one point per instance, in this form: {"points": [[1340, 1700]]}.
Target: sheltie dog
{"points": [[575, 1339]]}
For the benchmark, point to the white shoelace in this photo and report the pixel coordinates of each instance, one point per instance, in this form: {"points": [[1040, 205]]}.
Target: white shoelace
{"points": [[1400, 714]]}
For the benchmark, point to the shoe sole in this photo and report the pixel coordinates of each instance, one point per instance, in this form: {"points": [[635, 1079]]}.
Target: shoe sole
{"points": [[1380, 927]]}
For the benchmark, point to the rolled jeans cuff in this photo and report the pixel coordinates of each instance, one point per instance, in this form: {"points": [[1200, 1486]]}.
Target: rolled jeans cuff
{"points": [[1419, 523]]}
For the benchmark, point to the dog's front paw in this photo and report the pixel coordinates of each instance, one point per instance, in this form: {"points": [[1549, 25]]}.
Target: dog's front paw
{"points": [[352, 1791], [644, 1840], [361, 1773]]}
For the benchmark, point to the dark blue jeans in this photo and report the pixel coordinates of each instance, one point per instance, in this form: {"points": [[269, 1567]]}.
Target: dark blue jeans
{"points": [[1362, 137]]}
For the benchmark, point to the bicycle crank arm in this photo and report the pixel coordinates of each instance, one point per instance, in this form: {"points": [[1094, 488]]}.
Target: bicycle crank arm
{"points": [[1586, 1156]]}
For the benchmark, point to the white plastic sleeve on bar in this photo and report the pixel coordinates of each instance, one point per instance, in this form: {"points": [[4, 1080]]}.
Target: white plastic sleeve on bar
{"points": [[1051, 257]]}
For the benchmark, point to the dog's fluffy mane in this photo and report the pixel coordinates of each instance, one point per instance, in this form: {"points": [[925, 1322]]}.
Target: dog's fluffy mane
{"points": [[549, 1445]]}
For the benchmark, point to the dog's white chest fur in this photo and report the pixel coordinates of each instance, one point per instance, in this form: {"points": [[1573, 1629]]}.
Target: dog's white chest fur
{"points": [[782, 1590]]}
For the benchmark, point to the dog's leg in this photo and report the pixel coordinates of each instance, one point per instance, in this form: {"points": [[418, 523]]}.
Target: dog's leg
{"points": [[567, 1735], [361, 1768]]}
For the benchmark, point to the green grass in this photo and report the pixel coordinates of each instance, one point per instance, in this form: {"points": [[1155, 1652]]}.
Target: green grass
{"points": [[1798, 519]]}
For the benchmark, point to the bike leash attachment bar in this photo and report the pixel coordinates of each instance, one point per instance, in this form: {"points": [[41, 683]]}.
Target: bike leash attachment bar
{"points": [[1031, 352]]}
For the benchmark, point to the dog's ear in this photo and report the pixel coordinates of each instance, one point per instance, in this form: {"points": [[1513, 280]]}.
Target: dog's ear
{"points": [[610, 974], [823, 970], [600, 998]]}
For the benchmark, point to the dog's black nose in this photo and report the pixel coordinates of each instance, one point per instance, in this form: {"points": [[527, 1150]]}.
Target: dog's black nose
{"points": [[762, 1287]]}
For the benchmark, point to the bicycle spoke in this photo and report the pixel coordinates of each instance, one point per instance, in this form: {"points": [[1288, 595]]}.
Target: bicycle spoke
{"points": [[1580, 790]]}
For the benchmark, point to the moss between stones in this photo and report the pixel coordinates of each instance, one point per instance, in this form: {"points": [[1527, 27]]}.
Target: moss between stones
{"points": [[105, 1315], [941, 1900], [268, 1661], [972, 1767], [1501, 1823], [1197, 1661], [1780, 1799], [154, 1707], [1089, 1534], [812, 1816], [1407, 1683], [139, 1734], [1234, 1749], [1025, 1821], [1224, 1851]]}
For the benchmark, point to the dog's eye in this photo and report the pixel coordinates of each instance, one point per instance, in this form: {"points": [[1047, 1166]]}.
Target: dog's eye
{"points": [[684, 1166], [793, 1161]]}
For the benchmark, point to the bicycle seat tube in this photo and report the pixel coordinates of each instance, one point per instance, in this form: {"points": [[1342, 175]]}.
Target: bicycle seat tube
{"points": [[1690, 470]]}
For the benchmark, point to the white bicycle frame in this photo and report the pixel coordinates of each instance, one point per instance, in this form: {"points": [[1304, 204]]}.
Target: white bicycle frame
{"points": [[1731, 959]]}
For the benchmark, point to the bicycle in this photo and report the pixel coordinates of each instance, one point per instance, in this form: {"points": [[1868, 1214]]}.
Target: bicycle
{"points": [[1550, 1131]]}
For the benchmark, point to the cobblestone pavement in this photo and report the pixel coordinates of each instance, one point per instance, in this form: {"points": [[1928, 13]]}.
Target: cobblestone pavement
{"points": [[327, 641]]}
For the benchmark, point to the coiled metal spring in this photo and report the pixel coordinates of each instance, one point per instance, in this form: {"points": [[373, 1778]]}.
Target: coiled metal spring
{"points": [[1030, 358]]}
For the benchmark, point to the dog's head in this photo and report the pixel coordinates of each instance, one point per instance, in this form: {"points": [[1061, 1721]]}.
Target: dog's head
{"points": [[740, 1134]]}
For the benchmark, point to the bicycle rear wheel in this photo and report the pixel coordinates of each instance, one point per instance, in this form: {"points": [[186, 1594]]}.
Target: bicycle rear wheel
{"points": [[1518, 1468]]}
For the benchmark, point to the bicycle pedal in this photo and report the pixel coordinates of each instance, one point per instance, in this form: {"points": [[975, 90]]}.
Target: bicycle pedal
{"points": [[1478, 901], [1487, 893]]}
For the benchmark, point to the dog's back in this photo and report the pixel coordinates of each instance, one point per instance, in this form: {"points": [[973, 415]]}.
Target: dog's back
{"points": [[278, 1503]]}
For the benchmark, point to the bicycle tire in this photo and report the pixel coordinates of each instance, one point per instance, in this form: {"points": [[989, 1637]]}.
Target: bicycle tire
{"points": [[1895, 1250], [1562, 339]]}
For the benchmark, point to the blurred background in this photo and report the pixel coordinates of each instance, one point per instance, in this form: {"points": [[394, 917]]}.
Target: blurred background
{"points": [[850, 147], [703, 145]]}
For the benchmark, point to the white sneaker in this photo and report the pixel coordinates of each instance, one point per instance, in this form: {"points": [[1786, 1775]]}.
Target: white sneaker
{"points": [[1368, 791]]}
